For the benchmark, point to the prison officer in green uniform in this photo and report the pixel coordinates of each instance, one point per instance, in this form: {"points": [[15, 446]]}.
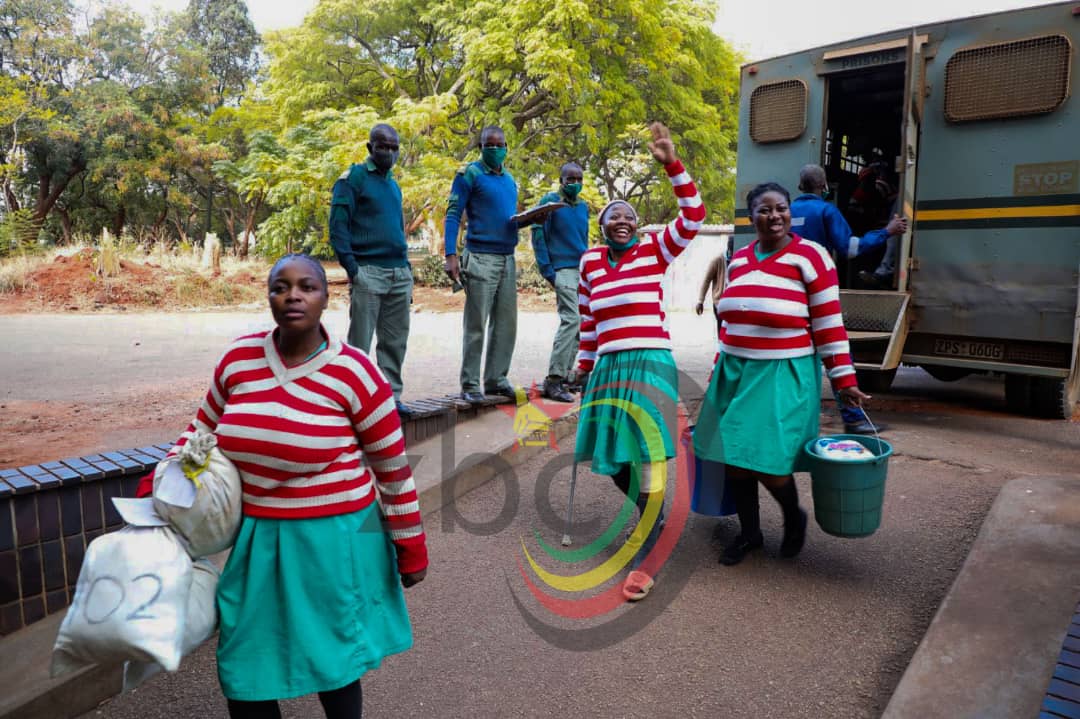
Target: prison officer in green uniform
{"points": [[367, 232]]}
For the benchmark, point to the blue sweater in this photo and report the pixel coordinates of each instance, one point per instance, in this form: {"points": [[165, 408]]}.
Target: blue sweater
{"points": [[563, 237], [489, 199], [817, 220], [366, 224]]}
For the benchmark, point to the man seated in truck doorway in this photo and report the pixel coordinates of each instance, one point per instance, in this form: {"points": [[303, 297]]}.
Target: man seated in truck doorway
{"points": [[815, 219]]}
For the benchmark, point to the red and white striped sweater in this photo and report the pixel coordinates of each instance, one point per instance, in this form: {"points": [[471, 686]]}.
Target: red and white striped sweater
{"points": [[622, 306], [313, 440], [786, 305]]}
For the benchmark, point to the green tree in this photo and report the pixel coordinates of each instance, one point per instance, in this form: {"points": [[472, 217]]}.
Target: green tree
{"points": [[565, 78], [224, 31]]}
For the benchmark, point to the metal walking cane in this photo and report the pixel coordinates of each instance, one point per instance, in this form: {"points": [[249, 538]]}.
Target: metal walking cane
{"points": [[566, 541]]}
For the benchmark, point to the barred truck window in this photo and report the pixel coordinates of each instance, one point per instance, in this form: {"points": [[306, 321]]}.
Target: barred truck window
{"points": [[778, 111], [1008, 79]]}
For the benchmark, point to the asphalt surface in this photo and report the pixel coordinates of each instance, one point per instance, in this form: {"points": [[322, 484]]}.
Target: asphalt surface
{"points": [[826, 635]]}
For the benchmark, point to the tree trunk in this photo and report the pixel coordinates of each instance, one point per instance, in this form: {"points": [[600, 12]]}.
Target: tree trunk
{"points": [[65, 223], [48, 193], [119, 221]]}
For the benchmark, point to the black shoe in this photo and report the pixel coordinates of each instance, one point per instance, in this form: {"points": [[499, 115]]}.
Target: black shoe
{"points": [[556, 390], [875, 281], [864, 427], [502, 390], [794, 537], [473, 397], [739, 548], [403, 410]]}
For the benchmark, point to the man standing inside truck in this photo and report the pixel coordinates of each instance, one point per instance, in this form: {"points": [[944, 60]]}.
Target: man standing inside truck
{"points": [[815, 219]]}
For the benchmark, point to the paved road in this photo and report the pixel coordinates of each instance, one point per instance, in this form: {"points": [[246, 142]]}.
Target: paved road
{"points": [[826, 635]]}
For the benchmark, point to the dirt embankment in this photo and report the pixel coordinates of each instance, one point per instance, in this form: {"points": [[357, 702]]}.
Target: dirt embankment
{"points": [[71, 283]]}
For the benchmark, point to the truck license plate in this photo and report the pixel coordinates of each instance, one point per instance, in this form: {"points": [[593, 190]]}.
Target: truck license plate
{"points": [[965, 348]]}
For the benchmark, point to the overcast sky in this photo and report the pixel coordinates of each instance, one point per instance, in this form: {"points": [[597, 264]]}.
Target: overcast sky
{"points": [[761, 28]]}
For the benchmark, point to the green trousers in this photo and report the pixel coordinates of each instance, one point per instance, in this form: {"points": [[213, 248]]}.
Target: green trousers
{"points": [[564, 350], [490, 308], [379, 305]]}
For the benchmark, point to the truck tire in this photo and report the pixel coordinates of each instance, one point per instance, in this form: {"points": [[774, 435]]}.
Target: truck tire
{"points": [[1018, 393], [944, 373], [1050, 398], [872, 381]]}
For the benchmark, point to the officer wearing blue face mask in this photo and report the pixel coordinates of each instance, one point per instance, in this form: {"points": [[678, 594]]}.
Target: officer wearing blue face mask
{"points": [[367, 232]]}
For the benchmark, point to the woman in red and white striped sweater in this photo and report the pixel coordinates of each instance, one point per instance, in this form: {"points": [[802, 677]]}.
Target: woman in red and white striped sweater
{"points": [[627, 422], [780, 312], [310, 598]]}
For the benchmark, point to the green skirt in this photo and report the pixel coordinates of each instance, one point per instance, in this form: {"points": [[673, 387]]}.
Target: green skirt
{"points": [[758, 414], [308, 605], [629, 405]]}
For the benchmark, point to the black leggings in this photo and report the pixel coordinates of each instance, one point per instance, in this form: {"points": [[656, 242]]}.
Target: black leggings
{"points": [[344, 703]]}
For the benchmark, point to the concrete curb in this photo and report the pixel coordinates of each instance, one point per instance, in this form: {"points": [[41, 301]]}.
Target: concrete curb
{"points": [[991, 648], [482, 447]]}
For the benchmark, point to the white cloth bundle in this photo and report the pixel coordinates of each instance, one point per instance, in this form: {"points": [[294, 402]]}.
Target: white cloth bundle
{"points": [[202, 619], [198, 492], [130, 602]]}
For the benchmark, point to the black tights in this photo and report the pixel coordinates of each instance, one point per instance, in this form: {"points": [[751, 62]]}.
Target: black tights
{"points": [[745, 486], [344, 703]]}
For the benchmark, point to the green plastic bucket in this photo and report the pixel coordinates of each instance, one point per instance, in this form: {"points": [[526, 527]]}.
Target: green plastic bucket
{"points": [[848, 495]]}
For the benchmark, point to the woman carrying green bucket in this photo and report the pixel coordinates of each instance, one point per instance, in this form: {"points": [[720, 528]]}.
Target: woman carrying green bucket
{"points": [[780, 316]]}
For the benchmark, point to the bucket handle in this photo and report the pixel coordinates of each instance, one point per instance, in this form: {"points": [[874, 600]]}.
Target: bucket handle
{"points": [[874, 425]]}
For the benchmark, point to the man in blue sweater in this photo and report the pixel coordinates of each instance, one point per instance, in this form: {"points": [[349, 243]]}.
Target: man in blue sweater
{"points": [[367, 232], [488, 195], [815, 219], [558, 244]]}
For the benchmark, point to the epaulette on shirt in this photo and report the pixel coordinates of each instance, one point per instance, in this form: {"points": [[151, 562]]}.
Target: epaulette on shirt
{"points": [[471, 171]]}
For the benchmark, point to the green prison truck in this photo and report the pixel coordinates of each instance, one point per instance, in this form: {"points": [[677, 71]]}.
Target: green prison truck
{"points": [[968, 128]]}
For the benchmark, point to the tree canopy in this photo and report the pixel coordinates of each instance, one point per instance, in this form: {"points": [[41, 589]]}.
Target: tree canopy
{"points": [[189, 122]]}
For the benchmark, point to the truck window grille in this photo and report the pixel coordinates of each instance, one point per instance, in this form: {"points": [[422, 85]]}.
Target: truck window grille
{"points": [[778, 111], [1009, 79]]}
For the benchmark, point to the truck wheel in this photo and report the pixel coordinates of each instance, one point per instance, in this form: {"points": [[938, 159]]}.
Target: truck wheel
{"points": [[1018, 393], [944, 373], [875, 380], [1050, 397]]}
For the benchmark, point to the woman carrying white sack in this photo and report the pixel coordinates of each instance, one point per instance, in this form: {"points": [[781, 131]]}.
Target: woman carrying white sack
{"points": [[310, 598]]}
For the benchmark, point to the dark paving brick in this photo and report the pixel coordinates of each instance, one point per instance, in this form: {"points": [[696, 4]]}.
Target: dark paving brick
{"points": [[10, 618], [56, 601], [7, 526], [93, 516], [111, 488], [74, 550], [70, 511], [33, 610], [48, 511], [26, 520], [52, 564], [30, 571], [9, 577]]}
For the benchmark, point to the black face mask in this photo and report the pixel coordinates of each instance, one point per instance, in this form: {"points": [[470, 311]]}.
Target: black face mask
{"points": [[384, 159]]}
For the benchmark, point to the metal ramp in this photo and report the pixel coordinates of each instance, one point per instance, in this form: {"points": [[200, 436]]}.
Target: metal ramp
{"points": [[877, 324]]}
